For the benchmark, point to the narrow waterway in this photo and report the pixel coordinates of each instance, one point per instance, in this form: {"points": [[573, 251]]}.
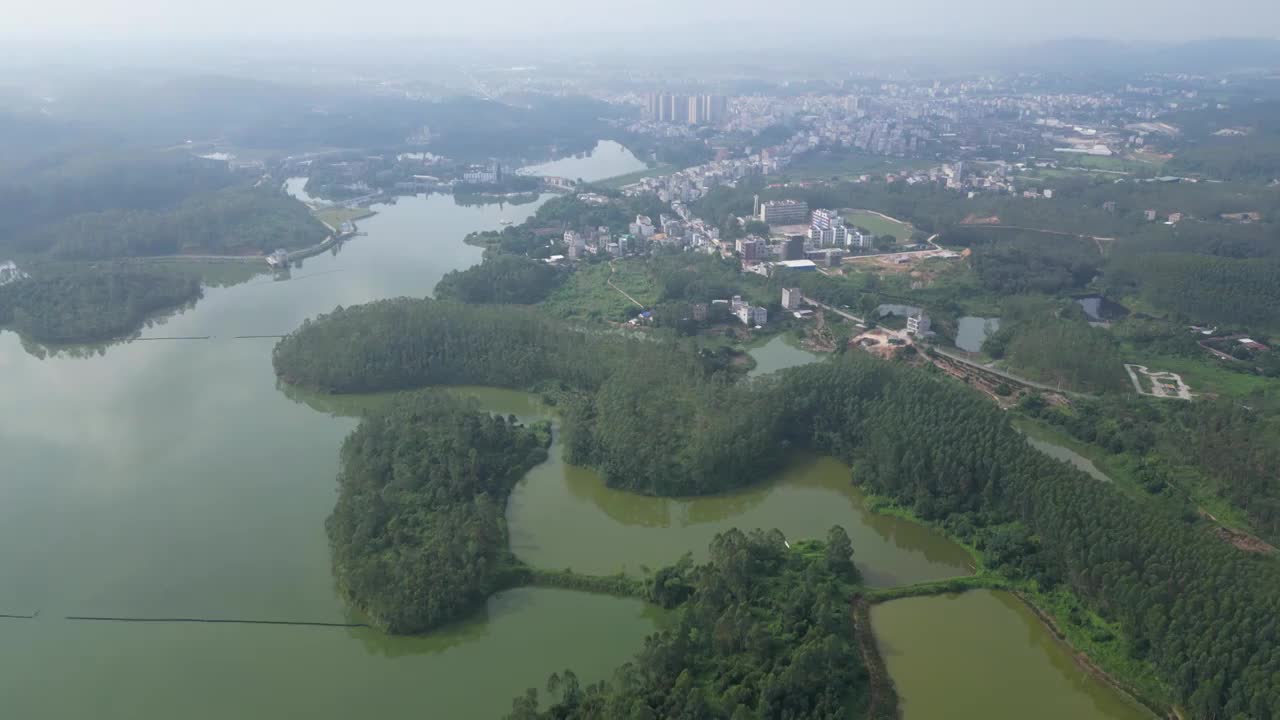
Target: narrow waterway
{"points": [[983, 655], [563, 516]]}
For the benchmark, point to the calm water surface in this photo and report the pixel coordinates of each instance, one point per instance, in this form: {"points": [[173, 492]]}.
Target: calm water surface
{"points": [[607, 159], [564, 516], [173, 478], [779, 353], [983, 655], [971, 332]]}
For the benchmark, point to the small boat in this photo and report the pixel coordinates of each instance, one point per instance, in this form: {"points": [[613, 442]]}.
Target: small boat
{"points": [[504, 222]]}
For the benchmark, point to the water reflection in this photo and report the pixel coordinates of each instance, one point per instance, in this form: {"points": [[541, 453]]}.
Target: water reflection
{"points": [[984, 654], [564, 516]]}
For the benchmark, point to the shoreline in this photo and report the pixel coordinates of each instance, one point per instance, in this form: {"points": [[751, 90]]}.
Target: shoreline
{"points": [[985, 579]]}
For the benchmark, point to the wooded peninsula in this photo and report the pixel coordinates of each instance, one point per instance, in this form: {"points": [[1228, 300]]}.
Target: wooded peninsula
{"points": [[655, 417]]}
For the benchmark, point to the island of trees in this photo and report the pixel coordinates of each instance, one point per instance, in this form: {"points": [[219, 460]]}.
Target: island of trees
{"points": [[419, 532], [929, 444], [763, 630], [79, 304]]}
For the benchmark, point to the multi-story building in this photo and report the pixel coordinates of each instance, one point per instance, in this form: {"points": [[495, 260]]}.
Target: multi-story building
{"points": [[784, 212], [827, 229], [918, 324], [699, 312], [751, 249], [687, 109], [791, 298]]}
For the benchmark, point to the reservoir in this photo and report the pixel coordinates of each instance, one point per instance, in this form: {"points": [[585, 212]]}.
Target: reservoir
{"points": [[984, 655], [607, 159], [175, 478]]}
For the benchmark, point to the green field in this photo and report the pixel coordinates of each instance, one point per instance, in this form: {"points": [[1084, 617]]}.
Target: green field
{"points": [[588, 295], [878, 225], [619, 181], [213, 273], [335, 216], [825, 166]]}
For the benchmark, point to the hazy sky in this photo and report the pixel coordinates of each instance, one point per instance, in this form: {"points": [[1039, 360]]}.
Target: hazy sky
{"points": [[781, 21]]}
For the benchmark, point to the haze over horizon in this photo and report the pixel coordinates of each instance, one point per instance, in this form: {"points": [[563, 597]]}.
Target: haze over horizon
{"points": [[1000, 22]]}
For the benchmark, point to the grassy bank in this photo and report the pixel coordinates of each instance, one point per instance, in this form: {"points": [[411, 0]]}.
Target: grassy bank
{"points": [[335, 216], [621, 181]]}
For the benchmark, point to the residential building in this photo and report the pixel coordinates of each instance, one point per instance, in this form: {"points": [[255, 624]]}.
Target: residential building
{"points": [[687, 109], [918, 324], [1175, 218], [1150, 215], [793, 249], [751, 249], [752, 315], [791, 298], [700, 312], [784, 212], [827, 229]]}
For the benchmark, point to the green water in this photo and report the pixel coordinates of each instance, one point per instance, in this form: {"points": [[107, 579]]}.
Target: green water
{"points": [[1067, 455], [63, 669], [174, 478], [779, 353], [983, 654], [564, 516]]}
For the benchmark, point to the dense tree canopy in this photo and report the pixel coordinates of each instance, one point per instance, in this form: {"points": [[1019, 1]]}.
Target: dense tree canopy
{"points": [[419, 531], [235, 221], [88, 304], [500, 278]]}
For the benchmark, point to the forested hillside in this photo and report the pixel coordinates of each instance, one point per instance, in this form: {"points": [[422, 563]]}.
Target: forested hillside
{"points": [[59, 186], [1204, 288], [234, 221], [85, 304], [763, 631], [929, 444], [419, 532]]}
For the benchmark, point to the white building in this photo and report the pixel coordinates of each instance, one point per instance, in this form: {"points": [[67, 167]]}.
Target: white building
{"points": [[784, 212], [918, 324], [791, 298], [827, 229]]}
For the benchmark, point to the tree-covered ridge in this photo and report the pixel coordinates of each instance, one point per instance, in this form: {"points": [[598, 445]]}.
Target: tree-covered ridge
{"points": [[84, 304], [60, 186], [235, 221], [419, 531], [763, 631]]}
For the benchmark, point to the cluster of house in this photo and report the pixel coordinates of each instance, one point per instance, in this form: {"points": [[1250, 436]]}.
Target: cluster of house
{"points": [[595, 241]]}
